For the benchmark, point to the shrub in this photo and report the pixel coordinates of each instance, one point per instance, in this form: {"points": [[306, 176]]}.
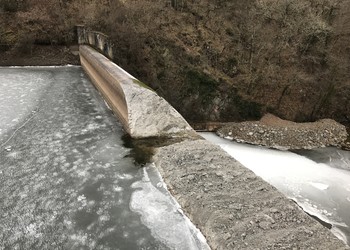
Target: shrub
{"points": [[9, 5], [25, 44]]}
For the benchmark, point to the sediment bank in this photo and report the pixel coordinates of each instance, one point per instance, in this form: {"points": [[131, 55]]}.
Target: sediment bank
{"points": [[274, 132]]}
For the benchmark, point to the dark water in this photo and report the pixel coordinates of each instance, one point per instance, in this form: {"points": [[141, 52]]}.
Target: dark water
{"points": [[67, 181]]}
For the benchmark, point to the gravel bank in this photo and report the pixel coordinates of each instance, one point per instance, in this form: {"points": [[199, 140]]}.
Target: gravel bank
{"points": [[274, 132], [233, 207]]}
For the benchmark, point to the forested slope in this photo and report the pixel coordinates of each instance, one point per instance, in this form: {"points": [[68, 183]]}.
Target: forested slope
{"points": [[212, 60]]}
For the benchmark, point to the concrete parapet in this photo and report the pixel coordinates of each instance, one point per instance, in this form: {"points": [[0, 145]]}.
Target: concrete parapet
{"points": [[96, 39], [141, 111]]}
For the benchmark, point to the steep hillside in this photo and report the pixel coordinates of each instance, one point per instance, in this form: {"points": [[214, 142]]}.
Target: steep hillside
{"points": [[235, 60], [218, 60]]}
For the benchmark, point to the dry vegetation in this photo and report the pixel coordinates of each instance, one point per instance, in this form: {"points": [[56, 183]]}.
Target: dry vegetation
{"points": [[213, 60]]}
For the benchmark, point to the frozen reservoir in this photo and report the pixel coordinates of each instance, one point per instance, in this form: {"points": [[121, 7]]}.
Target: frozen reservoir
{"points": [[67, 180]]}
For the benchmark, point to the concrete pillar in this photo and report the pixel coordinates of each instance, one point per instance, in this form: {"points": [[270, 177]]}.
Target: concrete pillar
{"points": [[81, 34]]}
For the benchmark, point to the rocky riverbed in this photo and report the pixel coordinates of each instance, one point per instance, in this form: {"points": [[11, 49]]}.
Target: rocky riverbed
{"points": [[274, 132]]}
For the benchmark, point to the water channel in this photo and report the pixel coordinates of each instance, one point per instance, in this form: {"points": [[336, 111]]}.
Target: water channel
{"points": [[318, 180], [67, 179]]}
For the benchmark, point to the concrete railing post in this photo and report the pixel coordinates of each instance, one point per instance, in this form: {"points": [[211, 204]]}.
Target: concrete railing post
{"points": [[95, 39], [81, 34]]}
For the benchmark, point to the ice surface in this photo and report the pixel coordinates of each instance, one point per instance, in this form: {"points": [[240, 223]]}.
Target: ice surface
{"points": [[320, 189], [66, 178], [19, 96], [163, 215]]}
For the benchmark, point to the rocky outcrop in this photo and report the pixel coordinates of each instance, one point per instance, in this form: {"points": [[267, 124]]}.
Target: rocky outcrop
{"points": [[274, 132]]}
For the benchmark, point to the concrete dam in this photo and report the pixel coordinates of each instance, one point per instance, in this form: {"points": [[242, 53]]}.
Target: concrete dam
{"points": [[206, 182], [70, 181]]}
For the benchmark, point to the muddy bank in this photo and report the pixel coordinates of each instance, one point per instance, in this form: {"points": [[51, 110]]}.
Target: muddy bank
{"points": [[232, 207], [274, 132]]}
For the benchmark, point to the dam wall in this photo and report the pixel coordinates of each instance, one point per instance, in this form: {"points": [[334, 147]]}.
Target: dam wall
{"points": [[142, 112], [233, 208]]}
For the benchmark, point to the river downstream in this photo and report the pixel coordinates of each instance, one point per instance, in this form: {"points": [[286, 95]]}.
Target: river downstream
{"points": [[318, 180], [67, 180]]}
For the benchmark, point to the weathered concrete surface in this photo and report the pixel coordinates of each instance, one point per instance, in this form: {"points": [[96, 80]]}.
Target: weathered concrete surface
{"points": [[233, 207], [317, 185], [142, 112]]}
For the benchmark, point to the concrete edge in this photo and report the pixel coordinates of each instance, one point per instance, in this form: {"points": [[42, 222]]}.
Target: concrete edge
{"points": [[141, 111], [231, 206], [113, 96]]}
